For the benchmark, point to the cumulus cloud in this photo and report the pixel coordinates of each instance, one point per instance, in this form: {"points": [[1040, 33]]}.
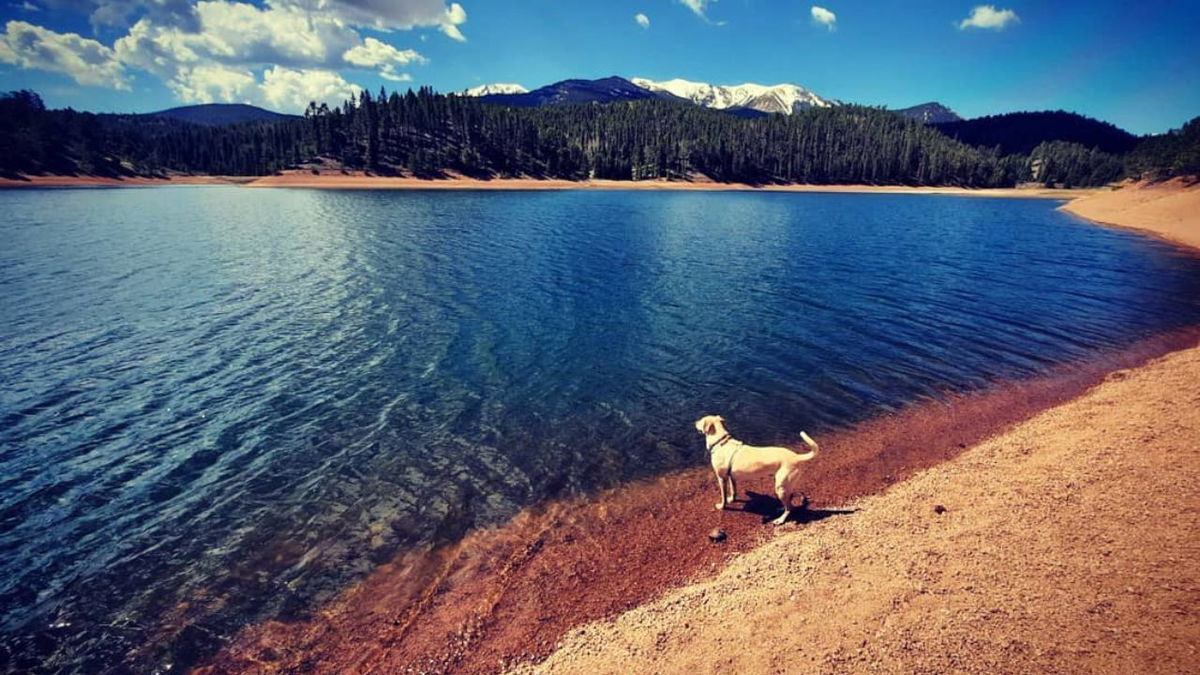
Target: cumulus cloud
{"points": [[285, 89], [824, 17], [235, 37], [373, 53], [238, 33], [274, 52], [987, 16], [211, 82], [86, 61], [642, 20]]}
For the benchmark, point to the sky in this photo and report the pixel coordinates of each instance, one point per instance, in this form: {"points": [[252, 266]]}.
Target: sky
{"points": [[1135, 64]]}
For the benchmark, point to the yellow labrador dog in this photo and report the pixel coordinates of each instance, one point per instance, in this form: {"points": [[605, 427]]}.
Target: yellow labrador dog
{"points": [[733, 459]]}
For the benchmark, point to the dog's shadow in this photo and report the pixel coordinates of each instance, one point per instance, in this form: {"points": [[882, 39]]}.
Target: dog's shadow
{"points": [[769, 508]]}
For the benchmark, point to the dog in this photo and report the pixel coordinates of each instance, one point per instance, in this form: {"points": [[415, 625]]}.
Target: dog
{"points": [[733, 459]]}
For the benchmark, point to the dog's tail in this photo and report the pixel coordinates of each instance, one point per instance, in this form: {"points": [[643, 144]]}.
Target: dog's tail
{"points": [[812, 445]]}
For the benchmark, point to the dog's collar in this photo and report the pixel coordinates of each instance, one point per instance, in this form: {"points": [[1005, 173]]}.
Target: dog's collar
{"points": [[720, 441]]}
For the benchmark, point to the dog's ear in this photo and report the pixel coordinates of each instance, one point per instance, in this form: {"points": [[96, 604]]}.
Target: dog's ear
{"points": [[710, 427]]}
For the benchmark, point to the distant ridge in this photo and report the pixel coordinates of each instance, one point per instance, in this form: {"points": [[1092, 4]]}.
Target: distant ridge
{"points": [[221, 114], [930, 113]]}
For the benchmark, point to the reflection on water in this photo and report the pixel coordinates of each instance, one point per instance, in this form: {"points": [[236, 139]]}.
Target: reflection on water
{"points": [[222, 404]]}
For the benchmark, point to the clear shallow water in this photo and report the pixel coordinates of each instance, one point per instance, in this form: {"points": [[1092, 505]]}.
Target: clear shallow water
{"points": [[222, 404]]}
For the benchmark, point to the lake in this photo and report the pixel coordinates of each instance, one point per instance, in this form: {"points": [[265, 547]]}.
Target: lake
{"points": [[223, 404]]}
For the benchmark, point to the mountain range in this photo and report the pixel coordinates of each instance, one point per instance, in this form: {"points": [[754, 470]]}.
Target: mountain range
{"points": [[744, 100], [779, 98]]}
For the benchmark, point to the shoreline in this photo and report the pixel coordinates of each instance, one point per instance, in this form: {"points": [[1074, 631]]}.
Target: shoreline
{"points": [[1167, 210], [359, 181], [1065, 544], [510, 594], [56, 181]]}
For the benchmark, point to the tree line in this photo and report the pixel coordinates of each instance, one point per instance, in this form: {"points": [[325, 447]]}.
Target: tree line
{"points": [[425, 134]]}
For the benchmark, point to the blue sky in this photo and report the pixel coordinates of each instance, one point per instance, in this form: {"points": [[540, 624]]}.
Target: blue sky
{"points": [[1136, 64]]}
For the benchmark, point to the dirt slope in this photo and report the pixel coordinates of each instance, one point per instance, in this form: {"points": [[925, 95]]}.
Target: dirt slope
{"points": [[1069, 544]]}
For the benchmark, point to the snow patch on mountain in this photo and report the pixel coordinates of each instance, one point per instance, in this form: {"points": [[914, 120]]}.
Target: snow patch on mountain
{"points": [[779, 98], [495, 88]]}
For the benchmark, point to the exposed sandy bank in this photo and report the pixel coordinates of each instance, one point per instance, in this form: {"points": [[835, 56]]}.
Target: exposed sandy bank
{"points": [[1068, 544], [102, 181], [359, 180], [1170, 210]]}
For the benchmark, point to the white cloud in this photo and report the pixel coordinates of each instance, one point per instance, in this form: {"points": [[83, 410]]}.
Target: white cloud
{"points": [[455, 15], [273, 52], [824, 17], [235, 33], [700, 9], [987, 16], [211, 82], [281, 88], [375, 54], [30, 7], [87, 61], [642, 20], [285, 89]]}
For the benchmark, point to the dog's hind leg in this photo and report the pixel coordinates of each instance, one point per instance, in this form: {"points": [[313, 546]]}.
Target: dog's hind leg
{"points": [[784, 492]]}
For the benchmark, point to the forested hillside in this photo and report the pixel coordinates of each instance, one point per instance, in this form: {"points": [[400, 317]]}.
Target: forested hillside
{"points": [[1176, 153], [1021, 132], [425, 134]]}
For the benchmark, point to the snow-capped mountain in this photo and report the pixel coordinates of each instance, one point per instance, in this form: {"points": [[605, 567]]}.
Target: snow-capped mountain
{"points": [[780, 98], [495, 88]]}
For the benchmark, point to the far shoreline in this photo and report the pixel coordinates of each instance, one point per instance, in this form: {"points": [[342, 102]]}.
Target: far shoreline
{"points": [[361, 181]]}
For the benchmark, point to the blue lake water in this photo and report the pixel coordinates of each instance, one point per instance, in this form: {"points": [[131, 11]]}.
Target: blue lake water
{"points": [[221, 404]]}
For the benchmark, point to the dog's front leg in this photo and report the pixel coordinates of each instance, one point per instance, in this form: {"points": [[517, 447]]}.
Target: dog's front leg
{"points": [[721, 485], [732, 489]]}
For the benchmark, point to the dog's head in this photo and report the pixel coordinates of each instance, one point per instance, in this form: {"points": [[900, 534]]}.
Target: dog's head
{"points": [[710, 425]]}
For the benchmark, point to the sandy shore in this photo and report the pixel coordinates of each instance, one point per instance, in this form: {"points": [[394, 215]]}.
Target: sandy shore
{"points": [[364, 182], [1170, 209], [361, 181], [1068, 544]]}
